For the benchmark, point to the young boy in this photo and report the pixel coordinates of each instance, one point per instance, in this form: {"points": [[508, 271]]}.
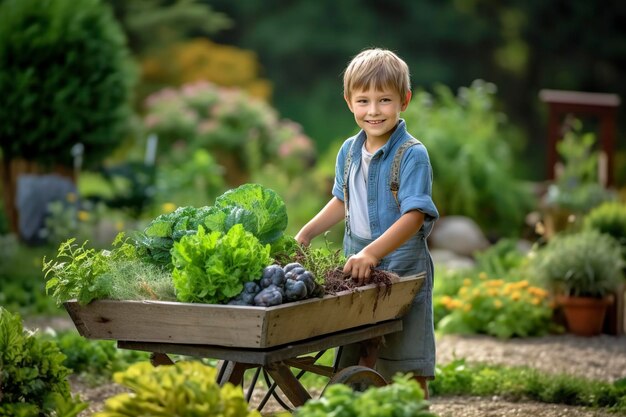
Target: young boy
{"points": [[383, 187]]}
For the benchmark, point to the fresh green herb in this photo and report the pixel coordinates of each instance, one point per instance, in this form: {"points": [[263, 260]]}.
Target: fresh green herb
{"points": [[83, 273], [321, 260]]}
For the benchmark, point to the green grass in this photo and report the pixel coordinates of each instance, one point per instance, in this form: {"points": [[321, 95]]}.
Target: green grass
{"points": [[517, 383]]}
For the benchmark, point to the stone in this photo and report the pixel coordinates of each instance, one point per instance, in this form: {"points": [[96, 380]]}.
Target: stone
{"points": [[458, 234]]}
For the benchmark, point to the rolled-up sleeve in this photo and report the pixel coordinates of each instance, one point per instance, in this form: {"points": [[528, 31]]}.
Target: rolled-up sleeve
{"points": [[416, 178]]}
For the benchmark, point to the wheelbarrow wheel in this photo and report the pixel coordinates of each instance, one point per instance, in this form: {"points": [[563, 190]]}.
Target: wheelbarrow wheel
{"points": [[359, 378]]}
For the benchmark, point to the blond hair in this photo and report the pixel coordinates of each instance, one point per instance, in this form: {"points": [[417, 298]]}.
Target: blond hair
{"points": [[378, 68]]}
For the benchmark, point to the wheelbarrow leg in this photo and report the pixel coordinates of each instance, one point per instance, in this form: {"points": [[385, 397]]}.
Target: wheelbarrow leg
{"points": [[157, 359], [232, 372], [288, 383]]}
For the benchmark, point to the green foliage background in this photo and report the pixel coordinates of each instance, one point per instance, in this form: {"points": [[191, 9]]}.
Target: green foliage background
{"points": [[521, 46]]}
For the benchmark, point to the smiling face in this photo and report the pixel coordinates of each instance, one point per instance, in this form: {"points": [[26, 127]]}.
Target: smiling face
{"points": [[377, 112]]}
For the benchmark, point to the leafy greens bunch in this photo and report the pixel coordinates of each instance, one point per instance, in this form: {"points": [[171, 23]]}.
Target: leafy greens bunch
{"points": [[260, 210], [157, 239], [211, 267]]}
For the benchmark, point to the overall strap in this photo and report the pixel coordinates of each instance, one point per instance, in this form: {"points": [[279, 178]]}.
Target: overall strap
{"points": [[394, 178], [346, 178]]}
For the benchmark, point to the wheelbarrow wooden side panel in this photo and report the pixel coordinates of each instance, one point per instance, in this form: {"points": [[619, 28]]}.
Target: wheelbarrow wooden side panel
{"points": [[242, 326]]}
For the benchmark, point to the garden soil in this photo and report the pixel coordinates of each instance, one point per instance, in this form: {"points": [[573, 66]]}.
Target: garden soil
{"points": [[601, 358]]}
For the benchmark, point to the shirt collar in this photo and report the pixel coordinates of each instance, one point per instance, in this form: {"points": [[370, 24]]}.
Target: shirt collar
{"points": [[395, 137]]}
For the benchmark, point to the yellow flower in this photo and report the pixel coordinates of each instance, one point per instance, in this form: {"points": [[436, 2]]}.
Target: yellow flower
{"points": [[536, 301], [521, 284], [463, 291], [538, 292], [516, 296], [467, 307], [483, 276], [168, 207], [497, 304], [83, 216], [70, 197], [493, 292], [467, 282], [119, 225], [495, 283], [508, 288]]}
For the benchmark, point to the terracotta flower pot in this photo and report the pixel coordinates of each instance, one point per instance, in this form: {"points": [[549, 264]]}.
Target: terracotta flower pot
{"points": [[584, 315]]}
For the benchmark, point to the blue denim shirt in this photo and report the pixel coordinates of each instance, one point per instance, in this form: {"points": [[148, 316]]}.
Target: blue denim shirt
{"points": [[415, 181]]}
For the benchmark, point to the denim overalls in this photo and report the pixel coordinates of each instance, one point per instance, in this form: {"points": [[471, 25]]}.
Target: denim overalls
{"points": [[412, 349]]}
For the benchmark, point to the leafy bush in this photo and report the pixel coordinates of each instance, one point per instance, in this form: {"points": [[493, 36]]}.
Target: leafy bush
{"points": [[21, 287], [8, 248], [500, 259], [243, 133], [577, 188], [201, 59], [96, 359], [497, 308], [471, 152], [188, 178], [182, 389], [609, 218], [66, 78], [585, 263], [32, 375], [403, 397]]}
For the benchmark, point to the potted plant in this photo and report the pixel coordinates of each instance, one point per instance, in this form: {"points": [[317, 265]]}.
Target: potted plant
{"points": [[610, 218], [583, 269]]}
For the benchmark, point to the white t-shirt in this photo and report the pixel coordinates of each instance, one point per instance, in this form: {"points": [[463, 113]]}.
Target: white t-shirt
{"points": [[359, 218]]}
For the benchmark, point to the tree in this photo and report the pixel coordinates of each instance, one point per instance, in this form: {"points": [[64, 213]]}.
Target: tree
{"points": [[66, 79]]}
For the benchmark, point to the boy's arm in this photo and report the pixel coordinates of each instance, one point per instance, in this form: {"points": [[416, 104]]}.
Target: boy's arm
{"points": [[329, 216], [359, 265]]}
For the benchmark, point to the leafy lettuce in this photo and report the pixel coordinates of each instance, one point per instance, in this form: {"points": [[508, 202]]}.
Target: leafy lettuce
{"points": [[260, 210], [157, 239], [211, 267]]}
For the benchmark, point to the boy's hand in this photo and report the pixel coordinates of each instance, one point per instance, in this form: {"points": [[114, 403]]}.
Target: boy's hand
{"points": [[302, 239], [359, 266]]}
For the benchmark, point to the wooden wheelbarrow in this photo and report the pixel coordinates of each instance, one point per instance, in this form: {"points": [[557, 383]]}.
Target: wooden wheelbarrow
{"points": [[273, 340]]}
